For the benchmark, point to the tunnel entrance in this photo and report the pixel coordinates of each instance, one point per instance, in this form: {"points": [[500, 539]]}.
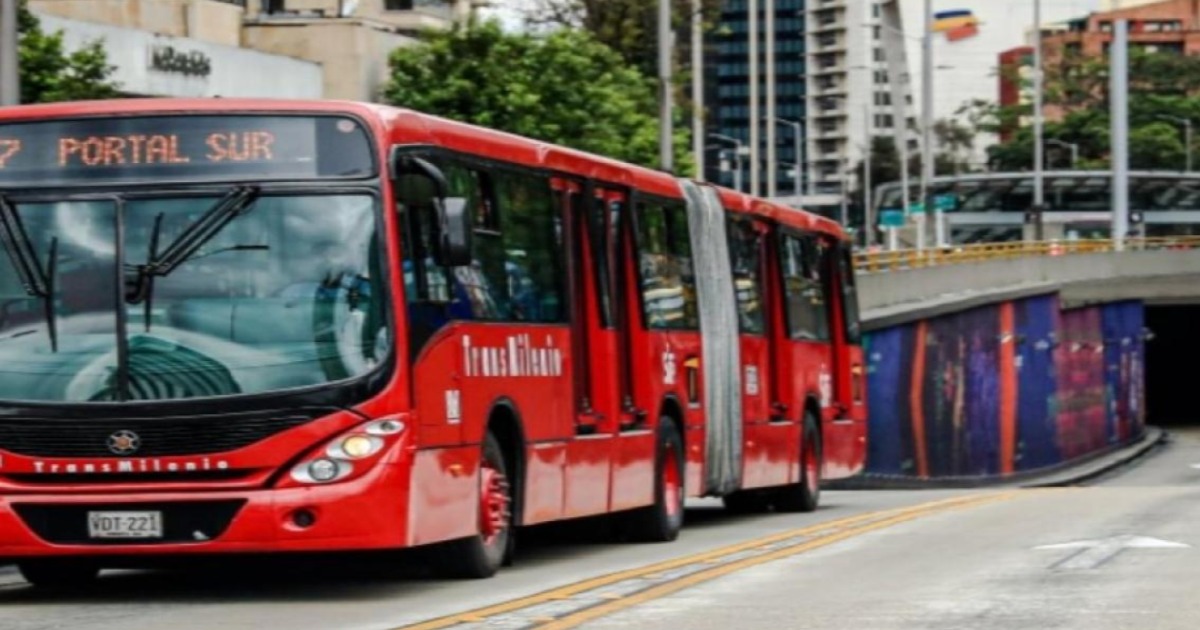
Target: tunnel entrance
{"points": [[1172, 386]]}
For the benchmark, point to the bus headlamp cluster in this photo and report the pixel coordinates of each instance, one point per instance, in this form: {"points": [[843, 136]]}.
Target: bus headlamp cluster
{"points": [[338, 458]]}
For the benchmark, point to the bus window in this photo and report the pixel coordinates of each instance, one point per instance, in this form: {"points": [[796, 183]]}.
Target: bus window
{"points": [[531, 234], [849, 288], [598, 242], [665, 260], [744, 255], [804, 281]]}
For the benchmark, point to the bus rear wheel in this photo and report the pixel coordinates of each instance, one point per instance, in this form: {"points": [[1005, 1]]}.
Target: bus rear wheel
{"points": [[58, 574], [806, 495], [661, 521], [481, 555]]}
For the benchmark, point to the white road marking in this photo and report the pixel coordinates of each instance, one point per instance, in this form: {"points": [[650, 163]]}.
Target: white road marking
{"points": [[1093, 553]]}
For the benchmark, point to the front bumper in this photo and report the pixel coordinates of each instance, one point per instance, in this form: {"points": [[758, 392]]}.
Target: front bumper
{"points": [[366, 513]]}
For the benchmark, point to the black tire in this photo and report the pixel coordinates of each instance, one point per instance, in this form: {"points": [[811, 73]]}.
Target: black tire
{"points": [[661, 521], [806, 495], [58, 574], [481, 555], [747, 502]]}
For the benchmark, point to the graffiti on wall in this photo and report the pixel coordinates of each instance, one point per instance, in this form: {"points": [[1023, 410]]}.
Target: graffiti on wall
{"points": [[1006, 388]]}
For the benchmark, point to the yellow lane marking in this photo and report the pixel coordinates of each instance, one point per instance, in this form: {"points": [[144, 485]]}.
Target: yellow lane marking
{"points": [[710, 557], [590, 614]]}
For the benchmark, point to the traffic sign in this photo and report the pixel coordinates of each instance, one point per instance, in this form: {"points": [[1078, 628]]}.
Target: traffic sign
{"points": [[891, 217], [945, 203]]}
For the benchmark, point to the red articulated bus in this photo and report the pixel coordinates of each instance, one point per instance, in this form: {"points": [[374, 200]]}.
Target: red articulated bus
{"points": [[254, 326]]}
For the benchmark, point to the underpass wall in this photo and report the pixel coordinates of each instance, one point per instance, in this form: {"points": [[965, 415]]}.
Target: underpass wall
{"points": [[1001, 389]]}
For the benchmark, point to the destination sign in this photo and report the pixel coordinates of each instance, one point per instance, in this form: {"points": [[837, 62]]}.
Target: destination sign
{"points": [[182, 148]]}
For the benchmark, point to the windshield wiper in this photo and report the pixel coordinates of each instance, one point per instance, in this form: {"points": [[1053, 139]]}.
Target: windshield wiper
{"points": [[38, 281], [140, 289]]}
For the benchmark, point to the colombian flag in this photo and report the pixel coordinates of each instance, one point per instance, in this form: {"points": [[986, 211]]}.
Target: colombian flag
{"points": [[957, 24]]}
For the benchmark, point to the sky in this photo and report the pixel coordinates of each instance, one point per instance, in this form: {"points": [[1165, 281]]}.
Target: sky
{"points": [[509, 11]]}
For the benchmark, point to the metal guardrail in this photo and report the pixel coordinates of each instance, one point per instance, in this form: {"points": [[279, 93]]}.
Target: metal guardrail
{"points": [[884, 261]]}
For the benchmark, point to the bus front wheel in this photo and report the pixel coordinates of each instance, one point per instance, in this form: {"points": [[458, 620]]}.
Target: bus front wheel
{"points": [[481, 555]]}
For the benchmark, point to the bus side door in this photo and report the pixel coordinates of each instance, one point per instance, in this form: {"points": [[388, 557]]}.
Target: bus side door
{"points": [[600, 359], [767, 440], [846, 443]]}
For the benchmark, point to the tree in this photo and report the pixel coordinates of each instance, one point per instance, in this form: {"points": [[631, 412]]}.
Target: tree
{"points": [[629, 27], [955, 140], [562, 87], [50, 73]]}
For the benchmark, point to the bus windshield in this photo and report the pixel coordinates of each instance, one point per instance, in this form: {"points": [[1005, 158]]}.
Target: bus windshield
{"points": [[287, 292]]}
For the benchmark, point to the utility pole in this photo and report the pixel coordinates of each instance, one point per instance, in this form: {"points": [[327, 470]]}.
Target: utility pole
{"points": [[1119, 98], [698, 87], [772, 150], [1039, 156], [927, 154], [666, 135], [10, 83], [752, 33]]}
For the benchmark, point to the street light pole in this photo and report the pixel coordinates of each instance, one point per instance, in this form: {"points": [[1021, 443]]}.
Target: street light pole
{"points": [[869, 131], [797, 139], [868, 211], [10, 83], [739, 150], [772, 150], [752, 33], [1039, 184], [927, 153]]}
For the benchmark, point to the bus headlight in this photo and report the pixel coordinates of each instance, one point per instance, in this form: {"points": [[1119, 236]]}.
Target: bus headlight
{"points": [[323, 470], [348, 455], [355, 446]]}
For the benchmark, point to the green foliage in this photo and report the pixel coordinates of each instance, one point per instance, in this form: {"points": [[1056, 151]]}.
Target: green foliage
{"points": [[1162, 85], [49, 73], [564, 87]]}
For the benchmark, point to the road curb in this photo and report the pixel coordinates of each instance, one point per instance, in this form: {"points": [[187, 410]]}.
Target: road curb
{"points": [[1087, 471], [1070, 473]]}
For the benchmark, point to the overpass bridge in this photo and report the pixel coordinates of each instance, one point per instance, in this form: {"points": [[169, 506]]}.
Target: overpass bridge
{"points": [[1002, 359], [991, 207]]}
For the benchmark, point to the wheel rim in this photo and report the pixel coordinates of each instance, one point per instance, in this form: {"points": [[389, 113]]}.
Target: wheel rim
{"points": [[812, 468], [494, 503], [672, 486]]}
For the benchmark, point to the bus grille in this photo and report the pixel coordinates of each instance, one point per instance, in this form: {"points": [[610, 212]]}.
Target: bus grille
{"points": [[159, 437]]}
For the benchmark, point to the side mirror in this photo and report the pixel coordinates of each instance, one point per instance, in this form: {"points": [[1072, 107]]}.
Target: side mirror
{"points": [[454, 223], [455, 227]]}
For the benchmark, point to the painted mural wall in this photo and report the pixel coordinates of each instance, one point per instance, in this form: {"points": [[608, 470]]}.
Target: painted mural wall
{"points": [[1004, 389]]}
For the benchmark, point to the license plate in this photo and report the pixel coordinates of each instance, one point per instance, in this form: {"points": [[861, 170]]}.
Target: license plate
{"points": [[125, 524]]}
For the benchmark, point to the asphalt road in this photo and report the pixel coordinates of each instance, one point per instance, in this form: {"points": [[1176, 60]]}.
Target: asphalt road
{"points": [[870, 559]]}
